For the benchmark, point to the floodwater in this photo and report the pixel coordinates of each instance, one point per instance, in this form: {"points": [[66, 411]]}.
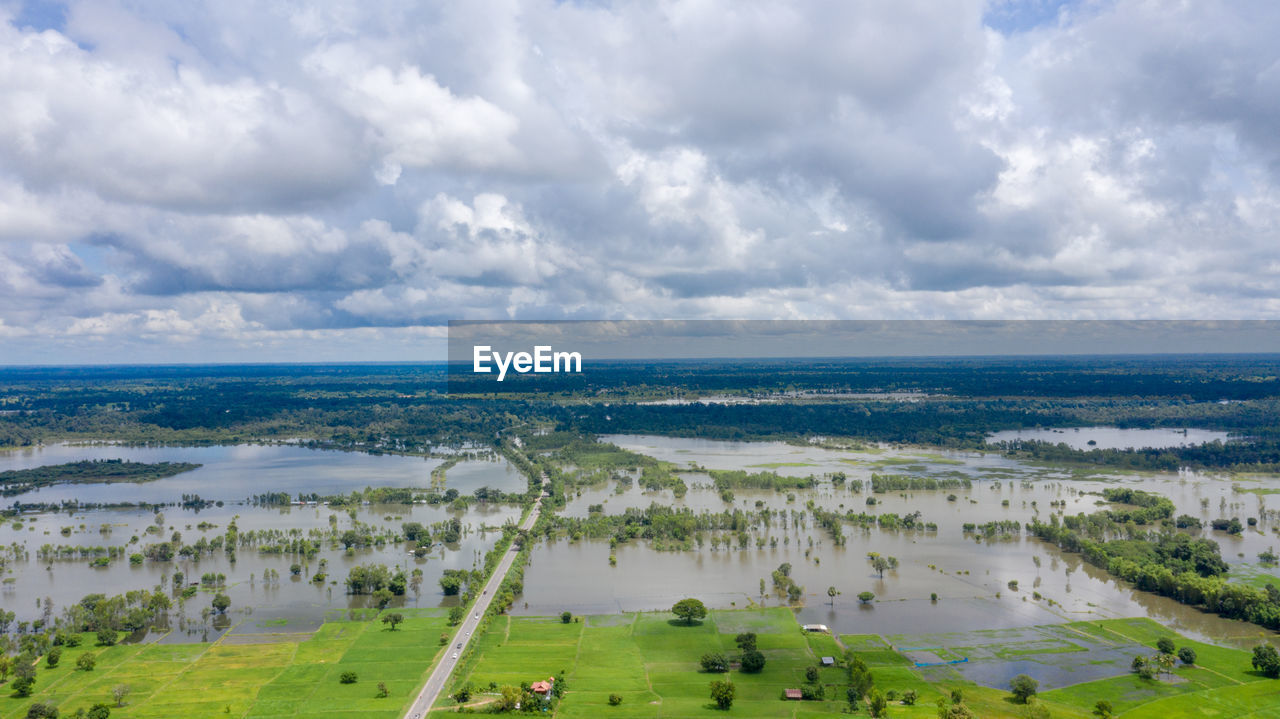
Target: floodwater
{"points": [[1112, 437], [971, 576], [231, 474]]}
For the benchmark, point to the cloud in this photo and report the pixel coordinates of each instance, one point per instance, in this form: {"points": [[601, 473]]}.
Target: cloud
{"points": [[232, 178]]}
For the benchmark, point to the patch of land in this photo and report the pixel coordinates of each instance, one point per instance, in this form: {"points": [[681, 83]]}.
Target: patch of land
{"points": [[285, 675], [14, 481], [651, 660]]}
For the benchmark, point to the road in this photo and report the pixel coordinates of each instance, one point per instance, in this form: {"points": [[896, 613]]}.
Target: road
{"points": [[466, 631]]}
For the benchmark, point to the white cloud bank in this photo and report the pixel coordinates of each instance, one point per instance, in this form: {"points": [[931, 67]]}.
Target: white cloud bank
{"points": [[331, 181]]}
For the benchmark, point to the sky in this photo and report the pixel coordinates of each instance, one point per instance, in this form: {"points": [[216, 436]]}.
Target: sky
{"points": [[333, 181]]}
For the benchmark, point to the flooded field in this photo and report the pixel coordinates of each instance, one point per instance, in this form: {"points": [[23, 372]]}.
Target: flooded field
{"points": [[35, 572], [1087, 438], [973, 576]]}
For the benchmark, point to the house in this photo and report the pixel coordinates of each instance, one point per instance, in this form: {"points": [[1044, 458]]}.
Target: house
{"points": [[795, 694], [816, 628], [828, 661], [542, 688]]}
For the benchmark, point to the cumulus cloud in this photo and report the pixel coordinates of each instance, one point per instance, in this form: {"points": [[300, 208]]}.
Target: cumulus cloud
{"points": [[273, 180]]}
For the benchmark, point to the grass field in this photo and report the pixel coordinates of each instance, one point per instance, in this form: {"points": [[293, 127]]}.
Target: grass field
{"points": [[289, 678], [651, 661]]}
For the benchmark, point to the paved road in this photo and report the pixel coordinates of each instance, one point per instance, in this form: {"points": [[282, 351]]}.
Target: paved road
{"points": [[436, 682]]}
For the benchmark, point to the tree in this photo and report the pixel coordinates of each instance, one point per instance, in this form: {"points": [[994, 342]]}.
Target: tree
{"points": [[220, 603], [880, 563], [1138, 663], [23, 685], [86, 662], [391, 620], [1187, 655], [1103, 709], [53, 657], [1023, 687], [1267, 660], [99, 711], [42, 710], [722, 693], [566, 617], [876, 703], [382, 597], [715, 662], [463, 695], [455, 615], [953, 710], [689, 610], [1165, 645], [752, 662], [909, 697], [615, 700], [866, 597], [832, 592], [348, 677], [383, 691], [509, 698], [811, 674], [295, 569], [119, 692], [1165, 662], [106, 636], [860, 679], [746, 641]]}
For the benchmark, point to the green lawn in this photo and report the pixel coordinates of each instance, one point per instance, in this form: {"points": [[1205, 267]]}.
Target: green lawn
{"points": [[277, 679], [649, 659]]}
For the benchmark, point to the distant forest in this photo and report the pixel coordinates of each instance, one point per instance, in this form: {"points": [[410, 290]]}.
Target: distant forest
{"points": [[101, 470], [395, 408]]}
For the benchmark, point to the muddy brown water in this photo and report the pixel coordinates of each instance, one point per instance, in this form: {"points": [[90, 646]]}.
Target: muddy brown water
{"points": [[230, 474], [971, 576]]}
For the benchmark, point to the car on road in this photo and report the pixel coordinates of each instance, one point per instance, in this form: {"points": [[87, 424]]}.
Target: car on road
{"points": [[455, 655], [459, 645]]}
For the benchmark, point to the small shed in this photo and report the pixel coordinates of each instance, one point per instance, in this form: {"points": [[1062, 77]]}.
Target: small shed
{"points": [[795, 694], [816, 628], [828, 661]]}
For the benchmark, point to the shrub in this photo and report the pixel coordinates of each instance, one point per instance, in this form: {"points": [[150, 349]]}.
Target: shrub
{"points": [[715, 662], [1187, 655], [99, 711], [86, 662], [615, 700], [811, 674], [1165, 645], [347, 678]]}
